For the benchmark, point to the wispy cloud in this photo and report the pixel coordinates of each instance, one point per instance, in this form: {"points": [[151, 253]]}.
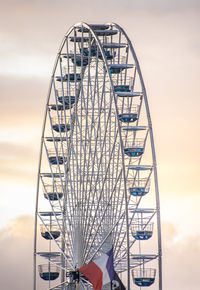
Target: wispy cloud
{"points": [[180, 257], [180, 260], [16, 161], [16, 248]]}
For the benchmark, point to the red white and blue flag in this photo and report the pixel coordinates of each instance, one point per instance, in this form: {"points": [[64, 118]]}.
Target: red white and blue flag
{"points": [[100, 271]]}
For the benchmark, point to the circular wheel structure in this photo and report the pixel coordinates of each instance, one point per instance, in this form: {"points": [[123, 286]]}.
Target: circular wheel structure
{"points": [[97, 180]]}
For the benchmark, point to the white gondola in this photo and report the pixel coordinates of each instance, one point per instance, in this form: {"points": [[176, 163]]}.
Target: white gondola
{"points": [[103, 32], [49, 232], [53, 191], [144, 277], [138, 186], [114, 45], [69, 78], [129, 94], [116, 68], [134, 128], [135, 148], [48, 272]]}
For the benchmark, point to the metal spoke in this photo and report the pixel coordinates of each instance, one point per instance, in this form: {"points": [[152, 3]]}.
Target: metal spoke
{"points": [[96, 161]]}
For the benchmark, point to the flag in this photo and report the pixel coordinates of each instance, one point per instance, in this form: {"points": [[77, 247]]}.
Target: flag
{"points": [[100, 271], [117, 283]]}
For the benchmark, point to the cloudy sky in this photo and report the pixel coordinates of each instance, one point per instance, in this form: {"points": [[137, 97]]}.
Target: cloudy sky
{"points": [[165, 35]]}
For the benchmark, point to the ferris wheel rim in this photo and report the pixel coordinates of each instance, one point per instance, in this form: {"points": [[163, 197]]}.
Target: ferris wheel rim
{"points": [[83, 24]]}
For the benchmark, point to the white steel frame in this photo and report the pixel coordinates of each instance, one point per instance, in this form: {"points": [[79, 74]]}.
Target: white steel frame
{"points": [[96, 210]]}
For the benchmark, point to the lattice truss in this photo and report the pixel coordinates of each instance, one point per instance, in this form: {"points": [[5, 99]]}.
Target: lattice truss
{"points": [[97, 181]]}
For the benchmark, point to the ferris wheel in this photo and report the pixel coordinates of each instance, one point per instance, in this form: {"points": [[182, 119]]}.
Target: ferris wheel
{"points": [[97, 183]]}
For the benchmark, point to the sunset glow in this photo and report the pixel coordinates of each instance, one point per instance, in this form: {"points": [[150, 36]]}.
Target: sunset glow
{"points": [[165, 35]]}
